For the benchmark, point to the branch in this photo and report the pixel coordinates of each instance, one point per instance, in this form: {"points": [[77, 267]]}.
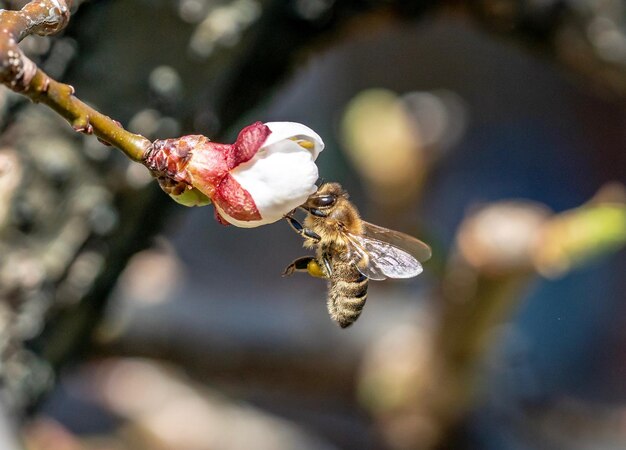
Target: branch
{"points": [[22, 75]]}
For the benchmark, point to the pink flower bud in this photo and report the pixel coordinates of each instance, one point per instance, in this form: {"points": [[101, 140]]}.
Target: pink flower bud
{"points": [[267, 172]]}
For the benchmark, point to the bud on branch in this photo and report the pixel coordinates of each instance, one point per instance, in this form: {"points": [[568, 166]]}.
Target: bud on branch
{"points": [[268, 171]]}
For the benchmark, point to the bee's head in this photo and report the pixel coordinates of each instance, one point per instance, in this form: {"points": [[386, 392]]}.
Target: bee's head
{"points": [[324, 200]]}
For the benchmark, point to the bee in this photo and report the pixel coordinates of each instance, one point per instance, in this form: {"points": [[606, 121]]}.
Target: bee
{"points": [[350, 251]]}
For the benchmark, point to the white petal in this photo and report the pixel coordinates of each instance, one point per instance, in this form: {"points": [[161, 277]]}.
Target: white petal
{"points": [[241, 223], [290, 130], [279, 178]]}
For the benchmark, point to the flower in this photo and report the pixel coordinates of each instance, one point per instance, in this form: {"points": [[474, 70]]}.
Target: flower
{"points": [[268, 171]]}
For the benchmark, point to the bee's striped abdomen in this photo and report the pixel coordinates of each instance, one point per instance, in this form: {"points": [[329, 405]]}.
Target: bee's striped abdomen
{"points": [[347, 293]]}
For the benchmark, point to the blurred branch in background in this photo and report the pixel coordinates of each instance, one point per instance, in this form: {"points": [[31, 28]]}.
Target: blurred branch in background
{"points": [[500, 248]]}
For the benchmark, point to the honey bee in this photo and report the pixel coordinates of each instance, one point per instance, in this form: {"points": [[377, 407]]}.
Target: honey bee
{"points": [[350, 251]]}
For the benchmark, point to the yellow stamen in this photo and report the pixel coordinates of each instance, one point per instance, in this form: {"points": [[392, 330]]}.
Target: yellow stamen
{"points": [[309, 145]]}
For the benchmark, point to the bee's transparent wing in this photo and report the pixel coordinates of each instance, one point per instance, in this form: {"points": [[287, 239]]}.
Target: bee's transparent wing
{"points": [[413, 246], [362, 260], [378, 260]]}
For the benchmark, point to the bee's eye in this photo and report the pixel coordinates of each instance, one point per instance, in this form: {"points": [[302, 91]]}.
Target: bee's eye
{"points": [[324, 200]]}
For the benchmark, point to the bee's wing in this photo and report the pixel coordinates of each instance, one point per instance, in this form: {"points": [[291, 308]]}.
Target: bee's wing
{"points": [[413, 246], [378, 260], [359, 256]]}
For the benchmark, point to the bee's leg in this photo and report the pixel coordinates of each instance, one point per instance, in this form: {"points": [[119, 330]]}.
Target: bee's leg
{"points": [[327, 266], [305, 264], [299, 228], [298, 265], [317, 212]]}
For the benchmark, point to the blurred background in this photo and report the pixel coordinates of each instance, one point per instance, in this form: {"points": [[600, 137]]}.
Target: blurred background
{"points": [[492, 130]]}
